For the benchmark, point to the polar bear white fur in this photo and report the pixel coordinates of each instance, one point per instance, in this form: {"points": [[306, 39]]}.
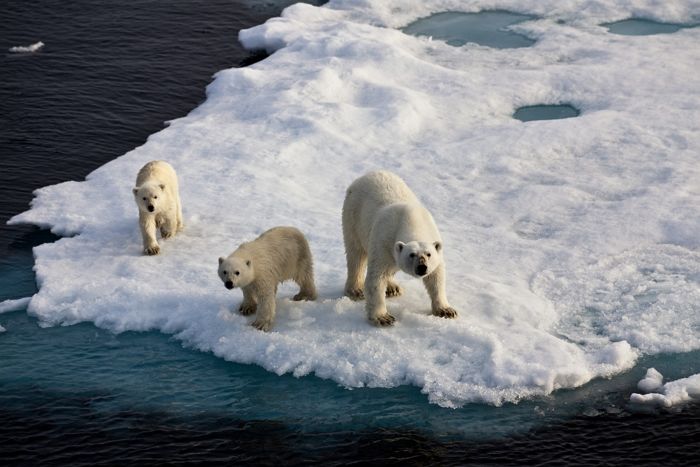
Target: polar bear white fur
{"points": [[386, 229], [158, 198], [257, 267]]}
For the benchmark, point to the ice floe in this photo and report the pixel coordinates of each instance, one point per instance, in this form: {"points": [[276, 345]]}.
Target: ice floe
{"points": [[571, 245]]}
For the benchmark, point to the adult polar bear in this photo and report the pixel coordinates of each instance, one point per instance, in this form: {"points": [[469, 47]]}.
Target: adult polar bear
{"points": [[386, 228]]}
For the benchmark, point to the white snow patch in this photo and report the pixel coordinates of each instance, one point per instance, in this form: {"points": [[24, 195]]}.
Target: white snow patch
{"points": [[652, 381], [672, 393], [569, 243], [27, 48], [14, 305]]}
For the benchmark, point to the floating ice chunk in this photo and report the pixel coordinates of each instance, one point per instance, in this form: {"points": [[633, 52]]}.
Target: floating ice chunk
{"points": [[2, 329], [652, 381], [558, 233], [672, 393], [14, 305], [27, 48]]}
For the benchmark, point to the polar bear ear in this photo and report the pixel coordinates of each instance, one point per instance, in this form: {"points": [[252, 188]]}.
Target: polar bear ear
{"points": [[398, 247], [438, 246], [247, 263], [135, 190], [162, 187], [221, 260]]}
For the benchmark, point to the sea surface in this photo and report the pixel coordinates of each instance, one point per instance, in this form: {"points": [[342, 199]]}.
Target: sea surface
{"points": [[111, 74]]}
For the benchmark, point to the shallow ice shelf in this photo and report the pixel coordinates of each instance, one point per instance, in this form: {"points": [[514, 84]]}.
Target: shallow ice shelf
{"points": [[488, 28], [643, 27], [545, 112]]}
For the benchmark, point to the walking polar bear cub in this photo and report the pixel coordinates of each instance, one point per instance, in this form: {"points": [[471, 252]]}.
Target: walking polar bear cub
{"points": [[257, 267], [158, 198], [386, 229]]}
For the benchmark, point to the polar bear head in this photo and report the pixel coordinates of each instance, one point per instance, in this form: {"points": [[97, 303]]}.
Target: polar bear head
{"points": [[418, 258], [150, 197], [236, 271]]}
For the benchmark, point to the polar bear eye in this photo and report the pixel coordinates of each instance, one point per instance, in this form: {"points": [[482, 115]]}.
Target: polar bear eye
{"points": [[224, 273], [237, 273], [412, 255], [144, 198], [155, 197], [428, 255]]}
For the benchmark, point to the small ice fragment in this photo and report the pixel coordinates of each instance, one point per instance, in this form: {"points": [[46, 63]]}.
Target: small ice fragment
{"points": [[651, 382], [2, 329], [14, 305], [27, 48]]}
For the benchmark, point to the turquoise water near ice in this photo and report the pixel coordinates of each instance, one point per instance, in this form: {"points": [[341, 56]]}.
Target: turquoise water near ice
{"points": [[644, 27], [151, 372], [545, 112], [489, 28]]}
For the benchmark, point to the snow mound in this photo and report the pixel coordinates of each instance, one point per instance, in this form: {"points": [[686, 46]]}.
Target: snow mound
{"points": [[571, 245]]}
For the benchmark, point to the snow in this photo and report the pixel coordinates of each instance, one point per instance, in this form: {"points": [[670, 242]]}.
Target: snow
{"points": [[571, 245], [27, 48], [652, 381], [14, 305], [670, 394]]}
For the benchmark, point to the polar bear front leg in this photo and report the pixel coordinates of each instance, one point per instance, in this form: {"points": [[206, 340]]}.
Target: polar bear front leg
{"points": [[266, 312], [168, 227], [375, 291], [249, 305], [435, 285], [147, 223], [178, 212]]}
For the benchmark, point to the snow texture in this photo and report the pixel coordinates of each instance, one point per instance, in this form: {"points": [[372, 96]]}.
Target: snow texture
{"points": [[672, 393], [652, 381], [571, 245], [27, 48]]}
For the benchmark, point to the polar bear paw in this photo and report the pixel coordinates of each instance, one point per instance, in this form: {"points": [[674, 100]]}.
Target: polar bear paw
{"points": [[384, 320], [152, 250], [393, 290], [166, 233], [247, 308], [262, 324], [304, 296], [355, 294], [445, 312]]}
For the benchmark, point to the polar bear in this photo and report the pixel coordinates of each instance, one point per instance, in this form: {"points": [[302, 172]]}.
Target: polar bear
{"points": [[386, 229], [157, 196], [257, 267]]}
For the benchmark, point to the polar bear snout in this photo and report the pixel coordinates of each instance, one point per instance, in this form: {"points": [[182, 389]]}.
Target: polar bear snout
{"points": [[151, 208], [421, 270], [229, 284]]}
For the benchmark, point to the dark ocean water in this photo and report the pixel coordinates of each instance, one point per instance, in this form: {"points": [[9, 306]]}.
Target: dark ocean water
{"points": [[109, 75]]}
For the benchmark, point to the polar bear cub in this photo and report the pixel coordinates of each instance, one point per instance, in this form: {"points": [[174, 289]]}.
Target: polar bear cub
{"points": [[386, 229], [257, 267], [157, 196]]}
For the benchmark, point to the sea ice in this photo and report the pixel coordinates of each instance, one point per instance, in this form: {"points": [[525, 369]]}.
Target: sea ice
{"points": [[672, 393], [27, 48], [14, 305], [571, 245]]}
